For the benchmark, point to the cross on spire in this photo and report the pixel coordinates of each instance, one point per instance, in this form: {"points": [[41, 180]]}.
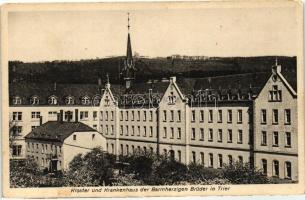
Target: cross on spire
{"points": [[128, 25]]}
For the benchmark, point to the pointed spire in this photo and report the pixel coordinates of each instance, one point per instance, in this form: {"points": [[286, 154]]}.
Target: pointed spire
{"points": [[107, 81], [276, 60], [129, 50]]}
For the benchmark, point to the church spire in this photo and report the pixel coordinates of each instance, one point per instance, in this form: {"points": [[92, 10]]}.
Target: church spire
{"points": [[128, 72]]}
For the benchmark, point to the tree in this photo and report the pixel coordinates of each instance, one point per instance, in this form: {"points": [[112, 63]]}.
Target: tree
{"points": [[25, 173], [239, 173], [93, 169]]}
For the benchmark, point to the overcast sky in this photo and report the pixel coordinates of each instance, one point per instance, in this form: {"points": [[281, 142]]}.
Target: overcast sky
{"points": [[75, 35]]}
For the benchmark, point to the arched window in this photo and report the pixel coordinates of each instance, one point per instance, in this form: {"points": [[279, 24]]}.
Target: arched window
{"points": [[53, 100], [275, 168], [69, 100], [288, 170], [17, 100], [86, 100], [264, 166], [211, 160], [34, 100], [96, 100], [230, 158], [172, 154]]}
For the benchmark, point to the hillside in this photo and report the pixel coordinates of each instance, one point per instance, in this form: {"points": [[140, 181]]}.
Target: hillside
{"points": [[88, 71]]}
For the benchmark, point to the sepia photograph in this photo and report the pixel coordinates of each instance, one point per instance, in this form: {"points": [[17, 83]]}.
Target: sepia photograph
{"points": [[133, 99]]}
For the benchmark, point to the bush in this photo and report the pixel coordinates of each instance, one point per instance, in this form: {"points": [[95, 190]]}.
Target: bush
{"points": [[239, 173], [200, 173], [25, 173]]}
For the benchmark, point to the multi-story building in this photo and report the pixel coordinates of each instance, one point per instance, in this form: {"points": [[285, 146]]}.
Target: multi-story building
{"points": [[214, 121]]}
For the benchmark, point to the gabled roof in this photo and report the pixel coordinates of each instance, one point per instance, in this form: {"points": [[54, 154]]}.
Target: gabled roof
{"points": [[58, 131]]}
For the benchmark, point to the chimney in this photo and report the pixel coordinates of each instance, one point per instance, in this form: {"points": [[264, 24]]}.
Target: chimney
{"points": [[76, 115], [40, 120]]}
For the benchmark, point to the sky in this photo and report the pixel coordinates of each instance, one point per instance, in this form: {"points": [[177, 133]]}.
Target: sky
{"points": [[211, 31]]}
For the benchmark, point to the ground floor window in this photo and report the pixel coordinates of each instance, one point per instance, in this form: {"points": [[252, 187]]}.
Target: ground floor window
{"points": [[288, 170], [17, 150], [275, 168], [264, 166]]}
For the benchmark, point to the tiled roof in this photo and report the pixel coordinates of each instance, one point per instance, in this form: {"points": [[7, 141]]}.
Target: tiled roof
{"points": [[57, 131], [44, 91]]}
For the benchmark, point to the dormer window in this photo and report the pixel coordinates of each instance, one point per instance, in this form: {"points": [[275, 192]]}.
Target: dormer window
{"points": [[34, 100], [85, 100], [107, 100], [275, 94], [53, 100], [96, 100], [17, 100], [172, 98], [69, 100]]}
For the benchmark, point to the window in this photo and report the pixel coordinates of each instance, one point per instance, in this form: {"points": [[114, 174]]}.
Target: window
{"points": [[127, 130], [264, 138], [151, 116], [139, 115], [240, 137], [101, 129], [17, 130], [33, 127], [17, 150], [93, 136], [17, 101], [240, 159], [34, 100], [201, 134], [107, 130], [288, 170], [150, 131], [230, 158], [275, 171], [122, 131], [83, 115], [122, 149], [112, 116], [69, 100], [219, 116], [287, 116], [263, 116], [239, 116], [112, 130], [202, 158], [211, 163], [179, 116], [121, 116], [17, 116], [94, 115], [229, 116], [193, 134], [210, 116], [171, 115], [144, 116], [230, 136], [132, 149], [164, 132], [201, 115], [288, 139], [52, 114], [210, 135], [179, 133], [145, 132], [194, 156], [127, 149], [95, 126], [96, 100], [219, 135], [193, 115], [74, 137], [275, 139], [35, 115], [52, 100], [139, 130], [85, 100], [132, 130], [164, 115], [68, 115], [179, 155], [264, 166], [275, 94], [132, 115], [112, 148], [220, 161], [126, 115], [172, 98], [275, 116]]}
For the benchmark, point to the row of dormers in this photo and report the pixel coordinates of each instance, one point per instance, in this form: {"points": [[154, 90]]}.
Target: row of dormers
{"points": [[54, 100]]}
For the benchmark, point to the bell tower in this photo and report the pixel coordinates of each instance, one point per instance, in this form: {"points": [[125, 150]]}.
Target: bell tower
{"points": [[128, 72]]}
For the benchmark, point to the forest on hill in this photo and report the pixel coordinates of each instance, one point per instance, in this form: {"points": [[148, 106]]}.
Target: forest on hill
{"points": [[89, 71]]}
